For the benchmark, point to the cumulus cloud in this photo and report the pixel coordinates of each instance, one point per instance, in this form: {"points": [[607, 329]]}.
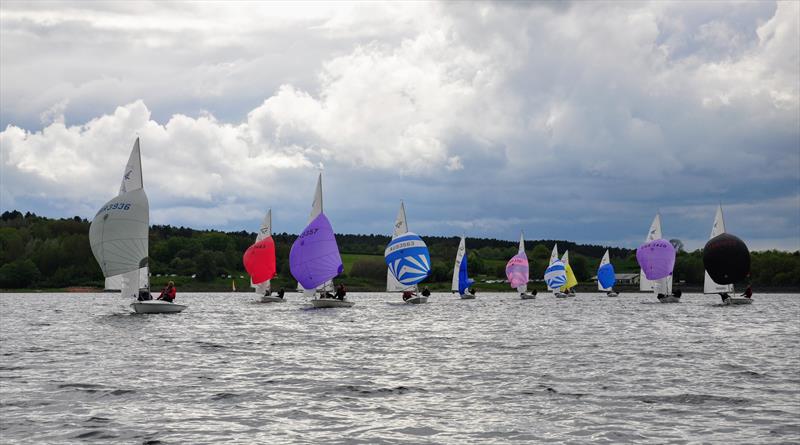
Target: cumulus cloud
{"points": [[574, 121]]}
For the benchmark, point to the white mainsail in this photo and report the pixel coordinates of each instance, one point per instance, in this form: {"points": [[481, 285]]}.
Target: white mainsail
{"points": [[400, 228], [664, 285], [265, 231], [316, 210], [553, 259], [131, 180], [521, 250], [118, 233], [462, 250], [709, 285]]}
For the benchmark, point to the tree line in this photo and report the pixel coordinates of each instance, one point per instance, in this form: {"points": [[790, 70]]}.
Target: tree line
{"points": [[39, 252]]}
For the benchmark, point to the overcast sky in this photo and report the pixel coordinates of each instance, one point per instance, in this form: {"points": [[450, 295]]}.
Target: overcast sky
{"points": [[572, 121]]}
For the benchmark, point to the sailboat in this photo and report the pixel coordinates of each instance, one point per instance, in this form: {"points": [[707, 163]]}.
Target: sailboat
{"points": [[571, 280], [518, 272], [726, 260], [314, 259], [555, 275], [662, 286], [606, 276], [118, 237], [407, 260], [461, 280], [259, 261]]}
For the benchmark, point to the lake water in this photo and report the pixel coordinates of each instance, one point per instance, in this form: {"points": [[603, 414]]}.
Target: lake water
{"points": [[81, 367]]}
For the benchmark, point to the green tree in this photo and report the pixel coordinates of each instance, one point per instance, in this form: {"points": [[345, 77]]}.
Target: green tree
{"points": [[206, 266], [18, 274]]}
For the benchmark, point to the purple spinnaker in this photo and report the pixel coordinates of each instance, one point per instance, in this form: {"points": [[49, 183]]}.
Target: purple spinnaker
{"points": [[314, 258], [517, 270], [656, 258]]}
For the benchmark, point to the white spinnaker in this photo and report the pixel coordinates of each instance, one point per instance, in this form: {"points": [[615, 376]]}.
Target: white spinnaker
{"points": [[400, 228], [115, 282], [462, 250], [606, 260], [644, 284], [709, 285], [264, 231], [118, 233]]}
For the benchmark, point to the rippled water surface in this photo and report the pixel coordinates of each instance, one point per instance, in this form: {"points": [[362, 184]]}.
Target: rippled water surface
{"points": [[81, 367]]}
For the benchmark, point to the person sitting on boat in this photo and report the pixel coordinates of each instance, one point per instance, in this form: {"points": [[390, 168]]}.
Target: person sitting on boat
{"points": [[341, 292], [426, 292], [677, 293], [280, 293], [748, 293], [724, 296], [660, 297], [168, 293], [407, 295], [144, 295], [472, 291], [327, 294]]}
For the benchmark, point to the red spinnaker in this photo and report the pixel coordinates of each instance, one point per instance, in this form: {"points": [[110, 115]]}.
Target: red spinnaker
{"points": [[259, 260]]}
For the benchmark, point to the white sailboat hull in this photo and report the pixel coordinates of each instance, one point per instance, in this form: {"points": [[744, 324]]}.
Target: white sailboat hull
{"points": [[560, 295], [670, 299], [331, 302], [270, 299], [527, 296], [612, 294], [156, 307], [417, 300], [467, 297]]}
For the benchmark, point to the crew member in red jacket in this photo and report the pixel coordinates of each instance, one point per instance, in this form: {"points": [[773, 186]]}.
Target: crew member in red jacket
{"points": [[168, 293]]}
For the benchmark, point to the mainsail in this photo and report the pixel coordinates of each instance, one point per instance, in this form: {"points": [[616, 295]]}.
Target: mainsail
{"points": [[314, 258], [709, 285], [517, 270], [118, 233], [461, 280], [606, 278]]}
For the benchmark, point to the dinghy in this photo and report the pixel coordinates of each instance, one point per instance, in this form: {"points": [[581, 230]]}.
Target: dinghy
{"points": [[461, 280], [314, 259], [407, 260], [118, 237], [259, 261], [555, 275], [660, 259], [656, 257], [571, 280], [518, 272], [606, 278], [726, 260]]}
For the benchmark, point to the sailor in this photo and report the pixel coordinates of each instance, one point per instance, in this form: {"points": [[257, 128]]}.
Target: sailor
{"points": [[426, 292], [341, 291], [472, 291], [280, 293], [168, 293], [660, 297], [724, 296], [677, 293], [407, 295], [748, 293], [144, 295]]}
